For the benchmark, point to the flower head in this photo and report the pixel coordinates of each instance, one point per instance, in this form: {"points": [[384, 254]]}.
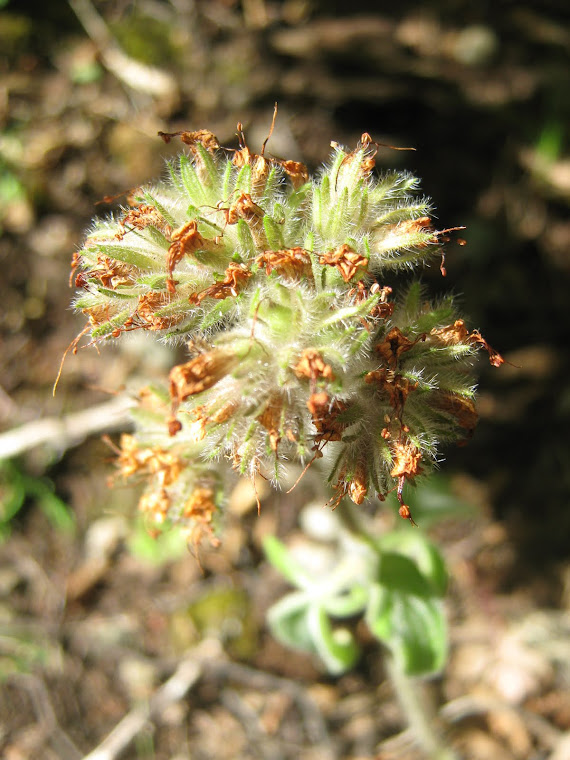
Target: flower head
{"points": [[304, 350]]}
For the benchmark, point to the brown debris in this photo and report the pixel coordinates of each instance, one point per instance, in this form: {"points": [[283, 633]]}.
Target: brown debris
{"points": [[451, 335], [347, 261], [203, 136], [156, 504], [383, 308], [270, 419], [149, 304], [244, 208], [357, 487], [97, 315], [397, 387], [199, 510], [412, 226], [476, 339], [293, 263], [110, 273], [153, 461], [296, 171]]}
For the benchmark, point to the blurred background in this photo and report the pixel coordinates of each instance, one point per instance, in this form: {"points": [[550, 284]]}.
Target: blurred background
{"points": [[480, 90]]}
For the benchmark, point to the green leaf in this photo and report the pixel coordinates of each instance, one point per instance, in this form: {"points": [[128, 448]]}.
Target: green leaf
{"points": [[401, 575], [336, 648], [347, 603], [420, 550], [282, 560], [412, 627], [217, 312], [287, 620]]}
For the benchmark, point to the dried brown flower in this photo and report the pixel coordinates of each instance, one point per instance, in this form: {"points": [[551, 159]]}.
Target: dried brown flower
{"points": [[394, 345], [312, 366], [347, 261], [325, 415], [199, 374], [236, 277], [184, 240], [406, 460], [292, 263], [141, 216]]}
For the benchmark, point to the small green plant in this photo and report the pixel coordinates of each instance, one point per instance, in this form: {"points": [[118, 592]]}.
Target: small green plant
{"points": [[16, 488], [299, 351]]}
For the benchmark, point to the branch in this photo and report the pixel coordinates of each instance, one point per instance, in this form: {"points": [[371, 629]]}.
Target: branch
{"points": [[186, 675], [135, 74], [65, 432]]}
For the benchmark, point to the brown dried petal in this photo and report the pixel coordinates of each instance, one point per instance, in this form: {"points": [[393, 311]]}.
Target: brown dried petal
{"points": [[156, 504], [149, 304], [397, 387], [451, 335], [358, 488], [199, 512], [270, 419], [296, 171], [202, 136], [142, 216]]}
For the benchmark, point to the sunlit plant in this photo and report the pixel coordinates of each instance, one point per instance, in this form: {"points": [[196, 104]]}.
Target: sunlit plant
{"points": [[298, 349]]}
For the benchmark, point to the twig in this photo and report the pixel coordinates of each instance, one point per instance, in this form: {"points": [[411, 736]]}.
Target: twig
{"points": [[468, 706], [261, 745], [135, 74], [65, 432], [45, 714], [186, 675], [313, 721]]}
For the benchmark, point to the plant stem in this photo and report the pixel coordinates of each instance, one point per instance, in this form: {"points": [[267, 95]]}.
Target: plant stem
{"points": [[353, 524], [419, 713]]}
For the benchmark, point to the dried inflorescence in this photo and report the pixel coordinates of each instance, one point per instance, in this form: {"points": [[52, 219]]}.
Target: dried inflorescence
{"points": [[300, 349]]}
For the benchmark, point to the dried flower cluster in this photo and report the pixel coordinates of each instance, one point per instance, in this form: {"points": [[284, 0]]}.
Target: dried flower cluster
{"points": [[298, 349]]}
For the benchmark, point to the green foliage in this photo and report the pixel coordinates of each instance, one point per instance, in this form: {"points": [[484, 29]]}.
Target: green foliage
{"points": [[16, 488], [397, 592]]}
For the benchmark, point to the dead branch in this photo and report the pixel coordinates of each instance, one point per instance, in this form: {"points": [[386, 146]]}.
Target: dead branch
{"points": [[65, 432]]}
